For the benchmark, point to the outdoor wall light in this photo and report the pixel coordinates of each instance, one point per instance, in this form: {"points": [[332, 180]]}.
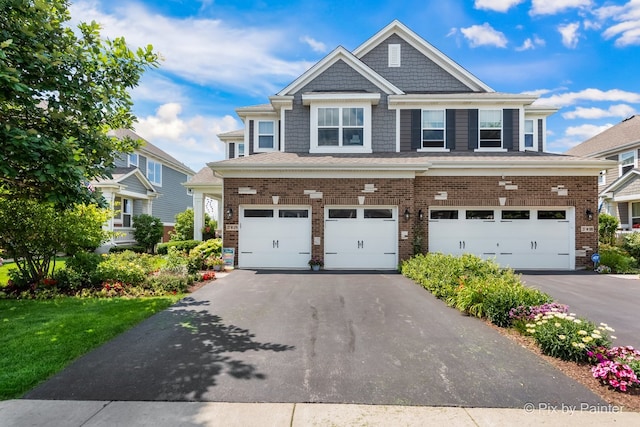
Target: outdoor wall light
{"points": [[407, 214], [229, 213], [589, 214], [420, 215]]}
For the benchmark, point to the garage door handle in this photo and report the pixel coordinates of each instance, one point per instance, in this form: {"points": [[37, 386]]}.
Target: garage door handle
{"points": [[506, 253], [243, 252], [304, 253], [562, 254], [389, 253], [331, 253], [462, 244]]}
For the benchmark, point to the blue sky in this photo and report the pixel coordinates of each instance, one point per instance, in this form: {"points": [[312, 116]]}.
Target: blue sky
{"points": [[582, 56]]}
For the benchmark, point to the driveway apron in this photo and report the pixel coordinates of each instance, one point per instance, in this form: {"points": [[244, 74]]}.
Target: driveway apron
{"points": [[323, 337]]}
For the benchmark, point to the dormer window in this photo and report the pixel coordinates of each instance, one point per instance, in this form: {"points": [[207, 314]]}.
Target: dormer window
{"points": [[133, 160], [340, 127], [627, 162]]}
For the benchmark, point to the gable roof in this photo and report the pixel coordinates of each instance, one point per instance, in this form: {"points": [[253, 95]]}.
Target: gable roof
{"points": [[151, 150], [120, 174], [427, 49], [632, 174], [340, 53], [624, 134]]}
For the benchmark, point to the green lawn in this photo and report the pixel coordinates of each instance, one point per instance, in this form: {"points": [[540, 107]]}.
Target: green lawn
{"points": [[39, 338], [4, 269]]}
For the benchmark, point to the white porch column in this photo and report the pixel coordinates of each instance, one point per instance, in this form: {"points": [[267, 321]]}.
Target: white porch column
{"points": [[110, 198], [198, 214], [220, 215]]}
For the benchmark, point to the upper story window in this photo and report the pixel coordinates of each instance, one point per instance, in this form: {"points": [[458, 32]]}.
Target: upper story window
{"points": [[528, 134], [154, 172], [341, 129], [627, 161], [433, 128], [602, 177], [240, 147], [133, 159], [266, 135], [490, 124]]}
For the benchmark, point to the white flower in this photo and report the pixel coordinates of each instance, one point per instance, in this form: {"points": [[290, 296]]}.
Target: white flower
{"points": [[562, 337], [557, 325], [582, 332], [613, 337], [596, 336], [581, 345], [578, 321]]}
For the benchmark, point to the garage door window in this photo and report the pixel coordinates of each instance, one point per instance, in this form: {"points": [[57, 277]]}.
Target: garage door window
{"points": [[510, 215], [293, 213], [444, 214], [342, 213], [552, 214], [480, 214], [378, 213], [258, 213]]}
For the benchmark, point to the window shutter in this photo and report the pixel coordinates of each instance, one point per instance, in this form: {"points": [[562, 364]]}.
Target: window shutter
{"points": [[232, 150], [507, 128], [473, 129], [451, 129], [416, 129], [251, 136]]}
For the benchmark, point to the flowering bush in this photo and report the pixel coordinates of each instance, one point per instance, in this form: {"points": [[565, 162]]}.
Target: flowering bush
{"points": [[208, 275], [617, 367], [603, 269], [316, 261], [566, 337], [523, 314]]}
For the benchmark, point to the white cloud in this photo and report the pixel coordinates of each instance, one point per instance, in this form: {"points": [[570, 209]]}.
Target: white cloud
{"points": [[531, 43], [570, 98], [192, 140], [593, 113], [586, 131], [627, 32], [496, 5], [203, 51], [484, 35], [570, 34], [552, 7], [314, 44]]}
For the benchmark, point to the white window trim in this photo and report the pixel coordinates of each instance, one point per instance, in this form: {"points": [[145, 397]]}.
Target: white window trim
{"points": [[366, 146], [256, 136], [237, 149], [602, 177], [130, 163], [535, 135], [119, 218], [501, 148], [156, 183], [442, 149], [635, 160]]}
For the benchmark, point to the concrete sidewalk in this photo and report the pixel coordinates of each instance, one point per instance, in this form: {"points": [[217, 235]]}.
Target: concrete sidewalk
{"points": [[53, 413]]}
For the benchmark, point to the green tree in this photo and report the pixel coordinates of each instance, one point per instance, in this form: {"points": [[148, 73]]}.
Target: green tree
{"points": [[607, 227], [32, 233], [183, 230], [60, 94], [147, 230]]}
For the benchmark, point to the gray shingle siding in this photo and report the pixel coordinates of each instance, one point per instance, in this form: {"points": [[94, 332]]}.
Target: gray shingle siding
{"points": [[173, 196], [339, 77], [133, 184], [417, 73], [122, 161]]}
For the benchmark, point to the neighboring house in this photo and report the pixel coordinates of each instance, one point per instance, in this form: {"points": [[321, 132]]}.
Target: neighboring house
{"points": [[619, 184], [147, 181], [371, 152]]}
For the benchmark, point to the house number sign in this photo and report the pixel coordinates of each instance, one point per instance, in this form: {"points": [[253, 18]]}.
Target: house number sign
{"points": [[231, 227]]}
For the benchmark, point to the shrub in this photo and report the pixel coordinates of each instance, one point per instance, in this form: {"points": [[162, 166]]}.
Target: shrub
{"points": [[177, 262], [165, 282], [181, 245], [70, 280], [618, 367], [617, 259], [566, 337], [505, 298], [147, 230], [631, 243], [84, 265], [607, 227], [126, 267], [197, 255], [124, 248]]}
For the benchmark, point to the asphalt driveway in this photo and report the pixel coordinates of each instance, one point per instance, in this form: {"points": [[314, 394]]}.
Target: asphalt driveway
{"points": [[610, 299], [324, 337]]}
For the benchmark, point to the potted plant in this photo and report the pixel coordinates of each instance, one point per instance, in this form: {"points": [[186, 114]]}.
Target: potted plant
{"points": [[214, 262], [315, 264]]}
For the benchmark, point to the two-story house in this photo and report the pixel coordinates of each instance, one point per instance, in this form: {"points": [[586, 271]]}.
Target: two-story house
{"points": [[149, 181], [619, 184], [374, 153]]}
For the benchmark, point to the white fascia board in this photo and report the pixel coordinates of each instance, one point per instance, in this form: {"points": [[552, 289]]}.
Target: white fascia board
{"points": [[535, 110], [337, 54], [336, 98], [427, 49], [468, 100], [629, 198], [281, 102]]}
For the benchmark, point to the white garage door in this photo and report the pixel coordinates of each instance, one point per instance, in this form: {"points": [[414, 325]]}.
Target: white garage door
{"points": [[361, 237], [274, 237], [525, 238]]}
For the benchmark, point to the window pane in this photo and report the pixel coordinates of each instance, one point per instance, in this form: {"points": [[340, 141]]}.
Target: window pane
{"points": [[528, 126], [552, 214], [490, 138], [635, 209], [433, 135], [265, 142], [479, 214], [378, 213], [490, 118], [352, 136], [328, 117], [353, 117], [444, 214], [241, 149], [265, 128], [627, 158], [528, 140], [342, 213], [433, 119], [328, 137], [515, 214], [258, 213], [293, 213]]}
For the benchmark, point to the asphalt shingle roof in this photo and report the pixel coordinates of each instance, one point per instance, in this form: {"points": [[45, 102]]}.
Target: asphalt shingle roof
{"points": [[624, 133]]}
